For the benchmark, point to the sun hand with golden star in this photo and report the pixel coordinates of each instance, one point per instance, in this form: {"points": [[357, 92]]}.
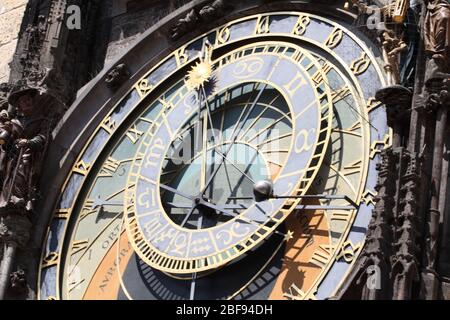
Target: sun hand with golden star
{"points": [[202, 71]]}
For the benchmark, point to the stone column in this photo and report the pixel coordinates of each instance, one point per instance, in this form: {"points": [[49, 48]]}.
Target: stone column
{"points": [[397, 99], [14, 234], [438, 89]]}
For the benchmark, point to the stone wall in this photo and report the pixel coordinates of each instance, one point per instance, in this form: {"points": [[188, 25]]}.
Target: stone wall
{"points": [[130, 18], [11, 14]]}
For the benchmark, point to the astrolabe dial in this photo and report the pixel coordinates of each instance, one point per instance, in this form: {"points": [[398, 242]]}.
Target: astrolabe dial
{"points": [[240, 166], [265, 118], [198, 175]]}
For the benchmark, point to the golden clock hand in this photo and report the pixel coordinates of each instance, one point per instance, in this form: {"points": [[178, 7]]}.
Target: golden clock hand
{"points": [[253, 222], [205, 146], [353, 205], [224, 207], [194, 276], [101, 203], [180, 193], [350, 106], [234, 137], [186, 219], [208, 111]]}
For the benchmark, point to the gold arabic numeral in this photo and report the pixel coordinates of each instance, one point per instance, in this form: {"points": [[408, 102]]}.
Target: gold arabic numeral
{"points": [[295, 293], [109, 167], [223, 35], [372, 104], [50, 260], [318, 77], [62, 214], [369, 197], [79, 245], [109, 125], [334, 38], [82, 167], [181, 57], [348, 251], [360, 65], [87, 209], [301, 25], [295, 84], [155, 153], [147, 199], [354, 167], [143, 88], [374, 149], [263, 25], [340, 94], [322, 256], [301, 141], [134, 134]]}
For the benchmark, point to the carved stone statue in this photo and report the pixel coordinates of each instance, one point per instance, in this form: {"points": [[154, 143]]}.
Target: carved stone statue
{"points": [[214, 10], [437, 36], [23, 140], [393, 45]]}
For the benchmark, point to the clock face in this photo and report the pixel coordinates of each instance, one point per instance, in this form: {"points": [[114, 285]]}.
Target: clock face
{"points": [[240, 167]]}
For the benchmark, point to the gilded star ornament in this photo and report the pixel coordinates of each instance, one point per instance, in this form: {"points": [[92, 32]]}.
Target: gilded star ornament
{"points": [[289, 235], [202, 71], [199, 74]]}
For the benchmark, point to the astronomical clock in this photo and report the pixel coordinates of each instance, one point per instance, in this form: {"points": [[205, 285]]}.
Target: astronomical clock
{"points": [[241, 166]]}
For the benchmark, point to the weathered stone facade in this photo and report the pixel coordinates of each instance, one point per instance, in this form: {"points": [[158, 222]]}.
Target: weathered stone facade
{"points": [[409, 235], [11, 16]]}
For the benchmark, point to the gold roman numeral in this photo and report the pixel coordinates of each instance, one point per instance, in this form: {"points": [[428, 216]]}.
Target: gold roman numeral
{"points": [[372, 103], [322, 256], [345, 216], [340, 94], [62, 214], [87, 209], [72, 285], [109, 167], [134, 134], [352, 168], [318, 77], [80, 245]]}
